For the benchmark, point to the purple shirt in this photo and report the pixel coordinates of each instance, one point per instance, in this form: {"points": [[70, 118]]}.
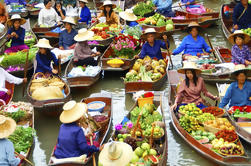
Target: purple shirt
{"points": [[240, 55], [20, 2]]}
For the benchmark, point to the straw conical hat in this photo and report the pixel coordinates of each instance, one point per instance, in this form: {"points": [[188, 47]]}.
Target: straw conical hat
{"points": [[239, 68], [43, 43], [128, 15], [148, 31], [16, 17], [69, 20], [189, 66], [85, 1], [7, 126], [239, 32], [107, 3], [83, 35]]}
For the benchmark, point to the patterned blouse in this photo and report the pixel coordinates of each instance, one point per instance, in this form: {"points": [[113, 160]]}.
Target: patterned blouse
{"points": [[240, 55]]}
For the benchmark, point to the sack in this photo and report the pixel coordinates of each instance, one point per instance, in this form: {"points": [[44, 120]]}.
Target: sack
{"points": [[58, 84], [37, 83], [47, 93]]}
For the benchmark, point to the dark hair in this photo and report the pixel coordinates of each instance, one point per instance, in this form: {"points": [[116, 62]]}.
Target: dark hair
{"points": [[195, 78], [189, 29], [48, 54], [239, 72], [110, 12], [46, 2], [240, 36]]}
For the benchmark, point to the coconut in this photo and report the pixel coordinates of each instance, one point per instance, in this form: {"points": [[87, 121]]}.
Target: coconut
{"points": [[136, 66]]}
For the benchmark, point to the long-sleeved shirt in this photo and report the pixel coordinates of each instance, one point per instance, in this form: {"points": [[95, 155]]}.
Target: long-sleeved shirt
{"points": [[44, 64], [236, 96], [153, 52], [35, 1], [48, 17], [185, 1], [72, 142], [82, 50], [192, 94], [85, 15], [21, 34], [7, 156], [5, 76], [67, 39], [191, 46], [113, 19], [163, 5], [240, 55], [245, 20], [20, 2]]}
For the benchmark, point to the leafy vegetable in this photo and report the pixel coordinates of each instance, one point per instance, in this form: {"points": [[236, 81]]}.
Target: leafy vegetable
{"points": [[17, 116], [135, 31], [143, 8]]}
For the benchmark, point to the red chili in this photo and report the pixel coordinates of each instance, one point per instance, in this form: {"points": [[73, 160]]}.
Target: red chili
{"points": [[148, 94]]}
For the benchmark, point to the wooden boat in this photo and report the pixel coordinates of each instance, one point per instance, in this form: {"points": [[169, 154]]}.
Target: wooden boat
{"points": [[22, 14], [157, 101], [200, 148], [108, 110], [224, 54], [33, 11], [160, 29], [227, 22], [215, 15], [131, 87], [10, 87], [82, 81]]}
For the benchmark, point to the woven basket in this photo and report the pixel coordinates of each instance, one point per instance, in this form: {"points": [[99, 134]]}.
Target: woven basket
{"points": [[115, 65]]}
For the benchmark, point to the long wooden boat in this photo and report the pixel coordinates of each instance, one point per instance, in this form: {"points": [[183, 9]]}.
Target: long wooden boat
{"points": [[33, 11], [214, 14], [81, 81], [160, 29], [227, 22], [108, 111], [157, 101], [200, 148], [22, 14], [10, 87]]}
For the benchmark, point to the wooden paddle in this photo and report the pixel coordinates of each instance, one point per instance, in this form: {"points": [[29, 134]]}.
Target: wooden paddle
{"points": [[25, 70], [93, 156], [168, 53], [59, 65], [28, 161], [211, 45], [151, 137]]}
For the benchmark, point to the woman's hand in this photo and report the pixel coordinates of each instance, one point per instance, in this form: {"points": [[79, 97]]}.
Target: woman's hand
{"points": [[93, 55], [21, 156], [216, 98], [136, 57], [101, 147], [174, 107], [247, 62], [54, 71], [61, 48], [90, 134], [236, 27]]}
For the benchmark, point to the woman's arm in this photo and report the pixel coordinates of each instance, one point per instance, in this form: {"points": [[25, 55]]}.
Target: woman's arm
{"points": [[85, 15], [227, 97], [11, 79], [115, 18], [21, 35], [82, 143], [12, 160], [205, 45], [40, 17], [54, 59]]}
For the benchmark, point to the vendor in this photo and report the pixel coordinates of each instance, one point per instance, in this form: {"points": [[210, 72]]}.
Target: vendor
{"points": [[193, 44], [20, 2], [66, 38], [164, 7], [191, 88], [152, 46], [240, 51], [84, 14], [241, 15], [129, 17], [71, 138], [44, 57], [239, 92], [83, 55], [108, 13], [16, 33], [59, 9], [7, 155], [116, 154], [48, 17], [3, 14]]}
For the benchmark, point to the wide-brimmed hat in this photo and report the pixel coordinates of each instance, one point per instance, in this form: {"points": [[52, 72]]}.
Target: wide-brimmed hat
{"points": [[83, 35], [116, 154], [43, 43], [72, 111], [189, 66], [128, 15], [150, 31], [192, 25], [240, 68], [239, 32], [16, 17], [69, 20], [7, 126], [106, 3], [85, 1]]}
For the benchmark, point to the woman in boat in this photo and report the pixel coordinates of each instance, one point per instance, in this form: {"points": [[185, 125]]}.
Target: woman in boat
{"points": [[191, 88], [7, 155], [20, 2], [84, 14], [16, 33], [108, 13], [239, 92], [44, 57], [66, 38], [193, 44], [240, 51], [129, 17], [152, 46], [164, 7], [115, 153], [188, 2], [59, 9], [241, 15], [3, 14], [48, 17], [83, 55], [71, 138]]}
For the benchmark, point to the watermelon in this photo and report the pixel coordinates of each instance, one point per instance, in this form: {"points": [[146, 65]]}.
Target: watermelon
{"points": [[208, 146], [153, 159], [204, 141]]}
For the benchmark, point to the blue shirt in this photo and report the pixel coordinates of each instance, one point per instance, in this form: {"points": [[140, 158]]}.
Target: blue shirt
{"points": [[72, 142], [153, 52], [44, 64], [7, 156], [237, 97], [245, 21], [163, 5], [21, 34], [20, 2], [67, 39], [191, 46], [85, 15], [185, 1]]}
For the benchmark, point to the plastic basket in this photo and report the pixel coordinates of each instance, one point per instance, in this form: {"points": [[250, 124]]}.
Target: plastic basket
{"points": [[143, 101]]}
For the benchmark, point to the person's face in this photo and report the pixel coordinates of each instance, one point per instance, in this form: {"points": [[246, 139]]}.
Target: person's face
{"points": [[58, 6], [194, 32], [150, 38], [48, 5], [42, 50], [16, 24], [244, 2], [82, 4], [189, 74], [67, 26], [239, 41], [241, 78], [107, 9]]}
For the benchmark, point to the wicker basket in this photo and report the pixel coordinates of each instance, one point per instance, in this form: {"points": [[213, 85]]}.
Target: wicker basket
{"points": [[115, 65]]}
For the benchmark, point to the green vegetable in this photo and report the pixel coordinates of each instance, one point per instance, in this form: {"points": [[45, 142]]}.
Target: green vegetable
{"points": [[145, 76], [161, 22], [143, 8], [135, 31], [17, 116], [197, 137]]}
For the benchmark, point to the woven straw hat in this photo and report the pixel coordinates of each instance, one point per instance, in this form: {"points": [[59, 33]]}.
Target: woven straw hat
{"points": [[69, 20], [7, 126], [106, 3], [85, 1], [239, 68], [192, 25], [128, 15], [189, 66], [83, 35], [116, 154], [239, 32], [43, 43], [16, 17], [72, 111], [148, 31]]}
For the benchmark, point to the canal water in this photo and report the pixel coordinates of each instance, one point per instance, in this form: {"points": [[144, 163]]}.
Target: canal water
{"points": [[179, 153]]}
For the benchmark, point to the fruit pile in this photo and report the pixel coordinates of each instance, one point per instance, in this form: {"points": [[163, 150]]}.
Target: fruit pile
{"points": [[207, 67], [205, 117], [103, 31], [158, 132], [220, 123], [216, 111], [227, 135], [226, 148], [189, 123], [203, 136], [190, 110], [247, 31]]}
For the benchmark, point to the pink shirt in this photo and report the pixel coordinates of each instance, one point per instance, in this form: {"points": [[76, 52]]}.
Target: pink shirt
{"points": [[192, 94]]}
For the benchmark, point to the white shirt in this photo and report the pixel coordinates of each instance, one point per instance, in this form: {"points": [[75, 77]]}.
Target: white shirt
{"points": [[48, 17], [5, 76]]}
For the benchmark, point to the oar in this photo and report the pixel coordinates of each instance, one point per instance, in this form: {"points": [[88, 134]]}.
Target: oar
{"points": [[59, 66], [168, 53], [25, 70], [28, 161], [93, 156], [211, 45]]}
